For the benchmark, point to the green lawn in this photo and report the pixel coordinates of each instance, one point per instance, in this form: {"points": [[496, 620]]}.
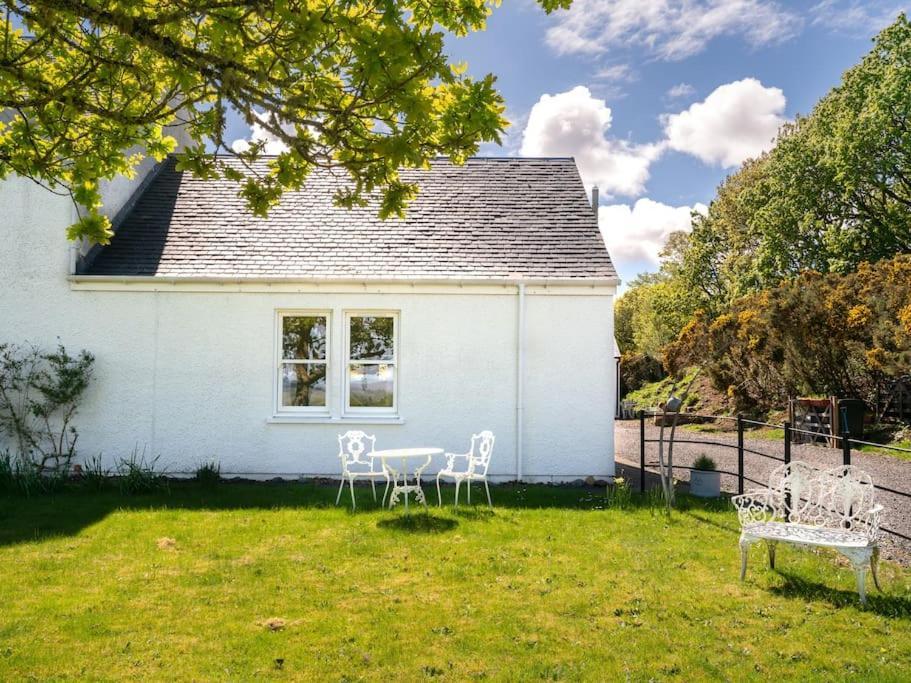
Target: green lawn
{"points": [[548, 586]]}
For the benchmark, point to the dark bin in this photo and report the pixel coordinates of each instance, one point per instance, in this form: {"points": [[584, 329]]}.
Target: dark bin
{"points": [[851, 411]]}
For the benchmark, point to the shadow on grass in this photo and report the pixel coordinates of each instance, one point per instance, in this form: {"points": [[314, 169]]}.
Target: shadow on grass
{"points": [[421, 523], [65, 513], [883, 604]]}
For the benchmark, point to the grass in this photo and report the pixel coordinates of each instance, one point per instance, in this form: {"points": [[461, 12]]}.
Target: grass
{"points": [[244, 581], [655, 393]]}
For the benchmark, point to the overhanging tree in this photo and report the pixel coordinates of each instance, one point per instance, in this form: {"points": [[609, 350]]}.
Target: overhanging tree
{"points": [[88, 87]]}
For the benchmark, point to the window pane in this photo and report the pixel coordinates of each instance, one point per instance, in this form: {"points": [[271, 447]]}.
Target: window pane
{"points": [[303, 384], [372, 337], [304, 337], [371, 386]]}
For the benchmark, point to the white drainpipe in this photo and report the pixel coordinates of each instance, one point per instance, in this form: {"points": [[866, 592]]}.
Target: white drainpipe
{"points": [[520, 379]]}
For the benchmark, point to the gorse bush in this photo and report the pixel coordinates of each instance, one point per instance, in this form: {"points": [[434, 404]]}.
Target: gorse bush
{"points": [[812, 335]]}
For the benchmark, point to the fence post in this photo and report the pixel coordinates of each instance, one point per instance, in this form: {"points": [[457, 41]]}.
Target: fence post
{"points": [[739, 453], [641, 451], [787, 459], [787, 442], [846, 447]]}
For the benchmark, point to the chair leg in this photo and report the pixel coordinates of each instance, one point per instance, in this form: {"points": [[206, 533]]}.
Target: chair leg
{"points": [[373, 486], [771, 546], [351, 482], [341, 485], [385, 491], [468, 484], [487, 488], [458, 483], [874, 566], [439, 495]]}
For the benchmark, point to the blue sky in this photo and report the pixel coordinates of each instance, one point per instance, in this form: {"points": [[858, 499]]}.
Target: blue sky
{"points": [[629, 54]]}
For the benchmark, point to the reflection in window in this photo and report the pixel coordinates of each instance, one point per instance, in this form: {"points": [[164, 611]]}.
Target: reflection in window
{"points": [[371, 386], [371, 361], [303, 364]]}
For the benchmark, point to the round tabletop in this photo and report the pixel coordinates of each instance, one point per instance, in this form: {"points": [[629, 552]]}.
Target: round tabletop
{"points": [[406, 452]]}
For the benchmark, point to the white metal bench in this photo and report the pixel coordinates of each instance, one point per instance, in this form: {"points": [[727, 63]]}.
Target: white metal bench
{"points": [[831, 508]]}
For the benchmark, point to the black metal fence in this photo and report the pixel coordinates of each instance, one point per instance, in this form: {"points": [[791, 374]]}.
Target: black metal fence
{"points": [[846, 444]]}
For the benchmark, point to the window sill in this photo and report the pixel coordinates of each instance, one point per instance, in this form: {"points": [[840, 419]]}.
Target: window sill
{"points": [[328, 419]]}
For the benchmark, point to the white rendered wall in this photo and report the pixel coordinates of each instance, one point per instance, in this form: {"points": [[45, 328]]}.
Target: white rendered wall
{"points": [[188, 375]]}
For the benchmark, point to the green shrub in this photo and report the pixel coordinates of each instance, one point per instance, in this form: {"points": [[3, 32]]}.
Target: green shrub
{"points": [[39, 397], [94, 474], [208, 473], [137, 475], [704, 464]]}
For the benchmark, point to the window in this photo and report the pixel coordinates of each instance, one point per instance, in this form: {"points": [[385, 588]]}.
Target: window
{"points": [[303, 362], [371, 366]]}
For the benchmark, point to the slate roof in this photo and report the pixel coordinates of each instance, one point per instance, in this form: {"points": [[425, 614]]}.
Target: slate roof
{"points": [[490, 218]]}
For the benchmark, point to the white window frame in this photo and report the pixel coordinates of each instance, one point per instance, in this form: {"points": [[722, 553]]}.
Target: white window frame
{"points": [[279, 361], [347, 409]]}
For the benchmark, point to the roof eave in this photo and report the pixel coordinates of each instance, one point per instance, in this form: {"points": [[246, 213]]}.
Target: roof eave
{"points": [[235, 280]]}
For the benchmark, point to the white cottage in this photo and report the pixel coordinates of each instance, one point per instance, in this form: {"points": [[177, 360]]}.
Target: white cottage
{"points": [[256, 341]]}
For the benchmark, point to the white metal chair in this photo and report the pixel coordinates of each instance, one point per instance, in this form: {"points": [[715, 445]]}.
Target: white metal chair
{"points": [[476, 462], [354, 453]]}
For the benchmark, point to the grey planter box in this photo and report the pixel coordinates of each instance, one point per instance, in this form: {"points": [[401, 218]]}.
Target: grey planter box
{"points": [[705, 484]]}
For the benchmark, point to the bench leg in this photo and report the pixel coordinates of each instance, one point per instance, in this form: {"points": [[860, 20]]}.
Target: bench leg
{"points": [[744, 553], [874, 565], [771, 546], [861, 573]]}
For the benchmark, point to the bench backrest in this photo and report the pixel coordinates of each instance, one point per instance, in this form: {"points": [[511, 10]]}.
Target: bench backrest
{"points": [[839, 498]]}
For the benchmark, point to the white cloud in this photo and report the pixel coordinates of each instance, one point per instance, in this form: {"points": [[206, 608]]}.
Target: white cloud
{"points": [[636, 234], [855, 17], [679, 91], [737, 121], [616, 72], [259, 134], [668, 29], [574, 123]]}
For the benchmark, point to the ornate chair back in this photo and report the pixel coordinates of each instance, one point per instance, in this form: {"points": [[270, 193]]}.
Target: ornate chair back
{"points": [[481, 450], [354, 448]]}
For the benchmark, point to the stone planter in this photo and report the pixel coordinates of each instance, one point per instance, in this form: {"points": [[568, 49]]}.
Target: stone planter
{"points": [[705, 484]]}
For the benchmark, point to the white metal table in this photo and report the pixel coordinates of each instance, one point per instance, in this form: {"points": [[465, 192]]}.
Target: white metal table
{"points": [[400, 457]]}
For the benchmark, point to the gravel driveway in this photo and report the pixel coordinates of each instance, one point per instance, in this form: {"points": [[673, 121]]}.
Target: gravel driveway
{"points": [[886, 471]]}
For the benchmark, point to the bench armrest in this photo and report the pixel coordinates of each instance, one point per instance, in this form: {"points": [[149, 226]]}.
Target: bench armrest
{"points": [[758, 505]]}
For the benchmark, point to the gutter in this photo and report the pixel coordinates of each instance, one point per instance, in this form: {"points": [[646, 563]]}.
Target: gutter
{"points": [[235, 280]]}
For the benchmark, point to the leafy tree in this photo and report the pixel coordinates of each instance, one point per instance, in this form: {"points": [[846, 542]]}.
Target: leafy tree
{"points": [[833, 193], [90, 86]]}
